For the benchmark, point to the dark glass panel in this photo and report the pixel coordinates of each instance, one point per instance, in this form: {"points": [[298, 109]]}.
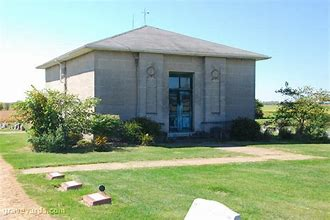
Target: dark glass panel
{"points": [[173, 102]]}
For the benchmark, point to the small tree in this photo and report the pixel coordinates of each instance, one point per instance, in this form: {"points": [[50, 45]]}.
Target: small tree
{"points": [[1, 106], [53, 114], [303, 111], [258, 110]]}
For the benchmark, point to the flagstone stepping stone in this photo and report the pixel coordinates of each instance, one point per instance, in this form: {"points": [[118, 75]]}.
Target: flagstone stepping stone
{"points": [[94, 199], [54, 175], [70, 185]]}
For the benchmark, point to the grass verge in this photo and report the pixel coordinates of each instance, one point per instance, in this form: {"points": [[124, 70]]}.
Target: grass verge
{"points": [[16, 151], [267, 190]]}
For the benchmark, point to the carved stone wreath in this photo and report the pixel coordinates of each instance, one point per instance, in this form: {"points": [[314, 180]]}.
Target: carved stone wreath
{"points": [[215, 74], [151, 71]]}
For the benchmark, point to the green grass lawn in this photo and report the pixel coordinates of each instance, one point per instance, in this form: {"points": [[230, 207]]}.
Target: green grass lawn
{"points": [[321, 150], [16, 150], [265, 190]]}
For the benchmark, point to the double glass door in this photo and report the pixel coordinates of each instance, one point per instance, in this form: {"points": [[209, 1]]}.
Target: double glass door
{"points": [[180, 102]]}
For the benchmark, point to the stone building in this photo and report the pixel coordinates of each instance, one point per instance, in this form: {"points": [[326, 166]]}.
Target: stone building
{"points": [[185, 84]]}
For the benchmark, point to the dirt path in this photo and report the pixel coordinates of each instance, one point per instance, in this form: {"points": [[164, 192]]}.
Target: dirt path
{"points": [[257, 154], [14, 203], [12, 132]]}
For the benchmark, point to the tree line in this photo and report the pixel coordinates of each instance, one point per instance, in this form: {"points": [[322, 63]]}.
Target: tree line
{"points": [[6, 105]]}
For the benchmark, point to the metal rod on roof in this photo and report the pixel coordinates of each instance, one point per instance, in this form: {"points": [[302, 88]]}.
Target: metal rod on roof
{"points": [[145, 13], [133, 22]]}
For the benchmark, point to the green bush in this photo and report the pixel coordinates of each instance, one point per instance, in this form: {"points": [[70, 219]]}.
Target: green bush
{"points": [[84, 143], [147, 140], [109, 126], [285, 133], [245, 129], [148, 126], [258, 109], [73, 138], [216, 133], [103, 147], [47, 113], [84, 146], [49, 142], [302, 110], [132, 132], [267, 134]]}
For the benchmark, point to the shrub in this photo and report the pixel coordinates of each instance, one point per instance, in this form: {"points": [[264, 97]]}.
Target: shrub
{"points": [[73, 138], [48, 113], [84, 146], [132, 132], [267, 134], [148, 126], [100, 140], [49, 142], [107, 125], [101, 144], [216, 133], [245, 129], [103, 148], [84, 143], [285, 133], [162, 137], [258, 109], [147, 140], [302, 110]]}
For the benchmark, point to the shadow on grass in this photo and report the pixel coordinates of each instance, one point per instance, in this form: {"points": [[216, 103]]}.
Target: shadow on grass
{"points": [[99, 149], [215, 144], [182, 143]]}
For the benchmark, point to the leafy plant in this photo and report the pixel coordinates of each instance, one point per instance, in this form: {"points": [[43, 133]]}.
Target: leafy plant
{"points": [[100, 140], [285, 133], [147, 140], [107, 125], [148, 126], [303, 111], [267, 134], [132, 132], [47, 112], [49, 142], [245, 129], [258, 111], [84, 146]]}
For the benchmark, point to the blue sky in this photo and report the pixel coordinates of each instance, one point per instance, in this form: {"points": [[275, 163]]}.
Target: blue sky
{"points": [[294, 33]]}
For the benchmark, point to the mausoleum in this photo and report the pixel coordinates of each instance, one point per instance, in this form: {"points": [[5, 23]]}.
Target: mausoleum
{"points": [[184, 83]]}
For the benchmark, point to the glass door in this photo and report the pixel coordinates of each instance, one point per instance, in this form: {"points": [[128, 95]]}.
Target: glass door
{"points": [[180, 103]]}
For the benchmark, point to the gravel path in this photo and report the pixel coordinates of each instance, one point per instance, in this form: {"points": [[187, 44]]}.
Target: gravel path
{"points": [[12, 132], [14, 203], [257, 155]]}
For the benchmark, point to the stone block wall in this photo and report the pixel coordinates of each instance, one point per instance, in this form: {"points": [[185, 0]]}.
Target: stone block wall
{"points": [[136, 84]]}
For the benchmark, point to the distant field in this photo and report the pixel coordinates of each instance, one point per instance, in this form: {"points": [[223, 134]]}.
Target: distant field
{"points": [[269, 110], [6, 116]]}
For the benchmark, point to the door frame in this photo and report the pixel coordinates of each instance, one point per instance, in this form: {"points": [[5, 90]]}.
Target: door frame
{"points": [[190, 90]]}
